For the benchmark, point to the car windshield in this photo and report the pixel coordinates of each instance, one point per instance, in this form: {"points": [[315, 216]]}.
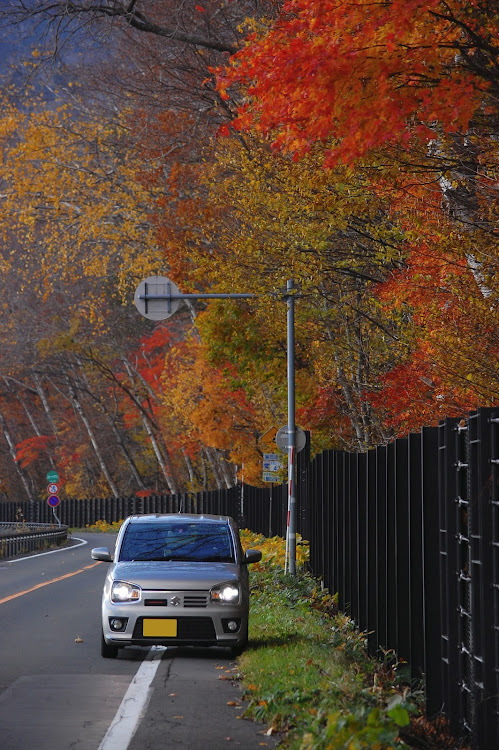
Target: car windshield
{"points": [[186, 542]]}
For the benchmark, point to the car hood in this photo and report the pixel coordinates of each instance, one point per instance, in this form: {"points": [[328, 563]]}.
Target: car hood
{"points": [[192, 576]]}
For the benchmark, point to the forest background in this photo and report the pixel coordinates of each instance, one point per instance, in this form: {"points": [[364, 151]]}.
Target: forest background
{"points": [[232, 145]]}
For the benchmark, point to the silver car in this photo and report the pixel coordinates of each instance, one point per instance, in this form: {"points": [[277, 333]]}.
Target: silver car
{"points": [[176, 580]]}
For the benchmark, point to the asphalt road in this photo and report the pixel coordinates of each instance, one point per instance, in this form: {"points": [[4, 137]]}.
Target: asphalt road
{"points": [[57, 692]]}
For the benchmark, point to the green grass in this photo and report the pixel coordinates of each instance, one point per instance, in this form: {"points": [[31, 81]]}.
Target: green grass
{"points": [[307, 673]]}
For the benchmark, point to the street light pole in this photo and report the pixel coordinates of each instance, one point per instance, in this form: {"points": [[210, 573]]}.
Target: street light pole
{"points": [[159, 289]]}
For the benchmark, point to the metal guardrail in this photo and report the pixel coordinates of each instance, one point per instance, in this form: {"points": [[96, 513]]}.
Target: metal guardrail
{"points": [[21, 538]]}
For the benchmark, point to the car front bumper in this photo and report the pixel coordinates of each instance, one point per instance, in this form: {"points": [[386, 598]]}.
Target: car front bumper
{"points": [[190, 620]]}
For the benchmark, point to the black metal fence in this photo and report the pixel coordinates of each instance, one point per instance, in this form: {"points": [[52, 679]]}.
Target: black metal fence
{"points": [[407, 534], [81, 513]]}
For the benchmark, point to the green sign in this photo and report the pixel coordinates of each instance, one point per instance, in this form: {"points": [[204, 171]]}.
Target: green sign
{"points": [[52, 476]]}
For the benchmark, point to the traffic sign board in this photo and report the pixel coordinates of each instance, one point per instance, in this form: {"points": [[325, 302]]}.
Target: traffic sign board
{"points": [[147, 294], [268, 437], [270, 476], [272, 465], [53, 501], [282, 439], [52, 476], [53, 489]]}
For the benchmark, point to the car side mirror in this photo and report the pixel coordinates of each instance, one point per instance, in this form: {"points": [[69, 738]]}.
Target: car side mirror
{"points": [[252, 556], [102, 554]]}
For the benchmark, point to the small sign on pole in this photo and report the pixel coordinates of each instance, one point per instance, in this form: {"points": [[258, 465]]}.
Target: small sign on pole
{"points": [[272, 465], [270, 476]]}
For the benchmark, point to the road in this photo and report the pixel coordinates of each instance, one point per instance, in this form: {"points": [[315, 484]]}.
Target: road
{"points": [[57, 692]]}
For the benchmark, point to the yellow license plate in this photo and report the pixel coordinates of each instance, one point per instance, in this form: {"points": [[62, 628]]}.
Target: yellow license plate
{"points": [[159, 628]]}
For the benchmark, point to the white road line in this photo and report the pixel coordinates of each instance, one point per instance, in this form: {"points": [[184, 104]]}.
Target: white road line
{"points": [[134, 704], [50, 552]]}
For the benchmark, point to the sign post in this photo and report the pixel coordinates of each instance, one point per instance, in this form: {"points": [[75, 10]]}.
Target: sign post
{"points": [[53, 490], [157, 298]]}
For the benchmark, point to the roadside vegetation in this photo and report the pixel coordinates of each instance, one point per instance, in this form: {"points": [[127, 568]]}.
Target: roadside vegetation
{"points": [[307, 674]]}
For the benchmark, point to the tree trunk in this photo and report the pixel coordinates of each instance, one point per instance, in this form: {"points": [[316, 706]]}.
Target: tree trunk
{"points": [[45, 404], [79, 410], [12, 451], [163, 461]]}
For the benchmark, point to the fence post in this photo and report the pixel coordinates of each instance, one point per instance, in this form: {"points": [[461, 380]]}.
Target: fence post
{"points": [[432, 576], [483, 483], [404, 543], [362, 543]]}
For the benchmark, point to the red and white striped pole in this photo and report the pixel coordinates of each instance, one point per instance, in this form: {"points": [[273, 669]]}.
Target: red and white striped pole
{"points": [[291, 525]]}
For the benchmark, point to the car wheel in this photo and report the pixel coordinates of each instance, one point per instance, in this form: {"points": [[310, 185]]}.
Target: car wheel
{"points": [[238, 650], [108, 652]]}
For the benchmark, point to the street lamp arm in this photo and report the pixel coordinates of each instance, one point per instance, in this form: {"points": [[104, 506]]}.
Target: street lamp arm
{"points": [[195, 296]]}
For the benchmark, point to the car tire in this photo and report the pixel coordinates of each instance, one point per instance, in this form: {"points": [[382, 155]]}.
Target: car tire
{"points": [[108, 652], [238, 650]]}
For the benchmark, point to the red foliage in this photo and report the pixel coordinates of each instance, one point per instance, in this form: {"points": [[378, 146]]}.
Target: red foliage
{"points": [[144, 493], [360, 75], [32, 449]]}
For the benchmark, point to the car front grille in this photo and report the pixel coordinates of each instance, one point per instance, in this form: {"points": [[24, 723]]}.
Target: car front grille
{"points": [[195, 600]]}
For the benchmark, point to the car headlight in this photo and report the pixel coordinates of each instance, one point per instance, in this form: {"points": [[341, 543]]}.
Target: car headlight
{"points": [[228, 593], [124, 592]]}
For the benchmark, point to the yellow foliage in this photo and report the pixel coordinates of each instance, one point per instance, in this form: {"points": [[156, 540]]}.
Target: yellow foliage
{"points": [[273, 550], [73, 198]]}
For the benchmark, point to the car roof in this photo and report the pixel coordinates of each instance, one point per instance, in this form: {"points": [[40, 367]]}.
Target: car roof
{"points": [[180, 518]]}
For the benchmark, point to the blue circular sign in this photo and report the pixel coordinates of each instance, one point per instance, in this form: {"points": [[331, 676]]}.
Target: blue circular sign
{"points": [[53, 501]]}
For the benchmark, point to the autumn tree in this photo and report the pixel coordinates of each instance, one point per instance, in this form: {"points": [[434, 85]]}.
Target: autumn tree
{"points": [[362, 162], [406, 94]]}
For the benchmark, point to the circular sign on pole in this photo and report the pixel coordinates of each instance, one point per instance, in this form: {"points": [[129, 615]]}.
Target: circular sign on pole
{"points": [[52, 476], [53, 489], [53, 501], [282, 439], [153, 298]]}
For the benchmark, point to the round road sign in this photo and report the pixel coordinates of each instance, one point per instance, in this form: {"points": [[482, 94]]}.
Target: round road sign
{"points": [[53, 489], [282, 439], [147, 302], [53, 501], [52, 476]]}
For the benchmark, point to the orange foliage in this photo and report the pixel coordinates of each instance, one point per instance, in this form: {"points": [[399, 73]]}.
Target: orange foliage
{"points": [[32, 449]]}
